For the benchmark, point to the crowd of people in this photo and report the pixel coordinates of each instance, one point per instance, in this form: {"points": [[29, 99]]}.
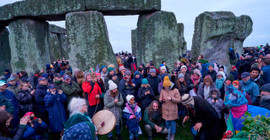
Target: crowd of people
{"points": [[61, 101]]}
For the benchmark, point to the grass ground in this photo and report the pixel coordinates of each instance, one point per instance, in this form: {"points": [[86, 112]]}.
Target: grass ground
{"points": [[182, 133]]}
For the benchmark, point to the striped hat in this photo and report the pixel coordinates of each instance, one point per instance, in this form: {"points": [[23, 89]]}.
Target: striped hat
{"points": [[187, 99]]}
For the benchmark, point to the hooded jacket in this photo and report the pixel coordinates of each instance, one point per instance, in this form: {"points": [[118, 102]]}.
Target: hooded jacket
{"points": [[217, 105]]}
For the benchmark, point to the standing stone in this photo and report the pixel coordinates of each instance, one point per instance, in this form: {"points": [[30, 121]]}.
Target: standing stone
{"points": [[216, 32], [183, 43], [88, 40], [28, 41], [158, 38], [134, 41], [5, 55], [65, 48]]}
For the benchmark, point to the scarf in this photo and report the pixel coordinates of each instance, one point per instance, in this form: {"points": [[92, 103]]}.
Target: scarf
{"points": [[193, 78], [206, 91], [219, 83]]}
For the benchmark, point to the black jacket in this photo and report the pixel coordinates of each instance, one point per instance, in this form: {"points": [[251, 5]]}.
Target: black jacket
{"points": [[153, 82], [25, 101], [145, 99], [213, 75]]}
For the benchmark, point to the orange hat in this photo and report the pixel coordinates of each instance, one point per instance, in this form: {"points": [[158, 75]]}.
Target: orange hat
{"points": [[236, 82], [166, 82]]}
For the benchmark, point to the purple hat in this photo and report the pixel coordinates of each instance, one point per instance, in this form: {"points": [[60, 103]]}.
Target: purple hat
{"points": [[245, 75], [127, 72], [51, 86]]}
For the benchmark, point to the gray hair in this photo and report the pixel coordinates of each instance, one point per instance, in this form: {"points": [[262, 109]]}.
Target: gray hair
{"points": [[75, 105]]}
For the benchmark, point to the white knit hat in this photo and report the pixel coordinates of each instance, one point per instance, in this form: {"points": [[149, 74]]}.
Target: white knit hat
{"points": [[162, 68], [112, 85], [129, 97]]}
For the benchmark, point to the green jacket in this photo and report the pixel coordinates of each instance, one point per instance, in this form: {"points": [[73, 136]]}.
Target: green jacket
{"points": [[147, 121], [71, 91]]}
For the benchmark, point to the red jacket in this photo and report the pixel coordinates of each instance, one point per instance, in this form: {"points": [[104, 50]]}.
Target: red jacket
{"points": [[86, 86]]}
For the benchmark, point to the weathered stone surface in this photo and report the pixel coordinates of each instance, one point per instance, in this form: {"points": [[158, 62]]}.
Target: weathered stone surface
{"points": [[56, 29], [134, 41], [123, 7], [88, 40], [65, 48], [183, 43], [158, 38], [5, 55], [28, 41], [55, 10], [216, 32]]}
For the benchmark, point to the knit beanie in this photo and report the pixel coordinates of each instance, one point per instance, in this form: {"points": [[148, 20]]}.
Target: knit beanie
{"points": [[110, 69], [144, 81], [197, 71], [183, 67], [112, 85], [266, 87], [236, 82], [187, 100], [111, 65], [162, 68], [181, 75], [128, 72], [122, 68], [136, 73], [129, 97], [152, 71], [166, 82]]}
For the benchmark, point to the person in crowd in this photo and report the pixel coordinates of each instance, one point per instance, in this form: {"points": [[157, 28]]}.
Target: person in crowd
{"points": [[41, 91], [126, 87], [167, 69], [35, 128], [205, 120], [265, 95], [245, 65], [153, 81], [113, 101], [12, 85], [121, 72], [234, 72], [54, 102], [256, 77], [183, 70], [103, 72], [80, 77], [110, 76], [145, 94], [5, 121], [57, 81], [266, 69], [211, 72], [251, 88], [5, 104], [79, 125], [25, 99], [153, 120], [92, 92], [10, 96], [102, 87], [7, 74], [205, 87], [132, 115], [71, 88], [170, 98], [220, 80], [195, 78], [23, 76], [163, 71], [137, 80]]}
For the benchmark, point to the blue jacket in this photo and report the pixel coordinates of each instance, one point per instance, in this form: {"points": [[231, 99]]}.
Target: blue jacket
{"points": [[12, 98], [132, 124], [56, 110], [266, 74], [126, 89], [35, 132], [252, 89], [40, 93]]}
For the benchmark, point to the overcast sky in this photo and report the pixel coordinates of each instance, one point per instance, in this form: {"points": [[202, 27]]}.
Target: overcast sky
{"points": [[120, 27]]}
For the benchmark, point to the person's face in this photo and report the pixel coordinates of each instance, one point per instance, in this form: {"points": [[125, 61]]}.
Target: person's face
{"points": [[104, 70], [12, 82], [6, 72], [25, 87], [132, 101], [114, 90], [259, 60], [221, 69], [163, 71], [192, 65], [53, 90], [88, 78], [167, 88], [207, 83], [68, 81], [8, 121], [183, 70], [219, 77], [98, 77], [210, 68], [196, 75], [181, 79], [112, 72], [155, 106], [58, 78], [84, 108], [246, 79], [265, 93], [153, 74], [128, 76], [214, 95], [199, 57], [137, 76], [254, 74], [43, 82], [235, 85], [164, 63]]}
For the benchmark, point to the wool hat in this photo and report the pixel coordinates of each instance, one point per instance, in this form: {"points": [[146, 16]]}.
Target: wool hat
{"points": [[41, 78], [86, 74], [2, 83], [266, 87], [181, 75], [46, 75], [219, 74], [111, 65], [144, 81], [102, 67], [183, 67], [137, 73], [245, 74], [65, 77], [162, 68], [7, 70], [128, 72], [110, 69], [51, 86], [152, 71], [166, 82], [187, 100], [211, 64], [236, 82], [10, 79], [76, 70], [129, 97], [112, 85], [197, 71], [122, 68], [234, 68], [161, 65]]}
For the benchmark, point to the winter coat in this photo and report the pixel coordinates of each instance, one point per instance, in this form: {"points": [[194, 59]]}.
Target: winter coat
{"points": [[153, 82], [147, 119], [216, 105], [92, 93], [132, 124], [17, 136], [213, 75], [145, 99], [40, 93], [36, 132], [266, 74], [125, 89], [26, 101], [7, 76], [183, 89], [80, 131], [252, 89], [8, 105], [205, 114], [258, 80], [200, 91], [170, 108], [265, 103], [58, 86], [56, 110], [73, 90], [115, 108], [235, 74], [137, 82], [13, 89]]}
